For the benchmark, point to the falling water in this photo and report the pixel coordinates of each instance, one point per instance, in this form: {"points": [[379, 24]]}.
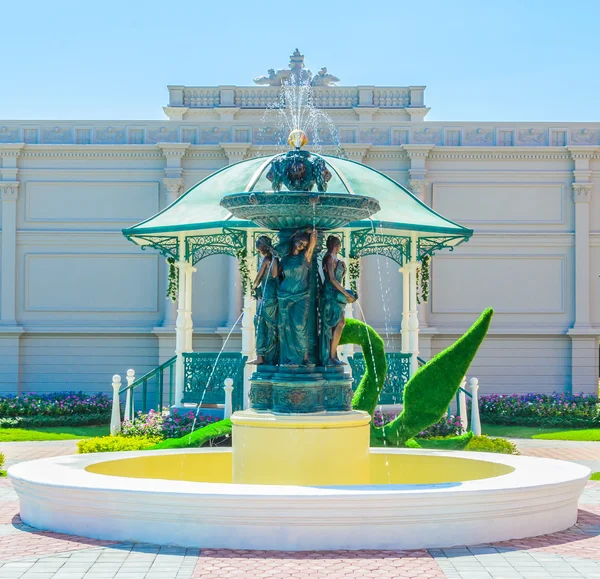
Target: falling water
{"points": [[378, 408], [295, 109], [211, 375]]}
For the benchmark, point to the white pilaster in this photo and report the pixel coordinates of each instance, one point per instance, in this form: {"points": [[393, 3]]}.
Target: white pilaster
{"points": [[584, 338], [189, 324], [9, 193]]}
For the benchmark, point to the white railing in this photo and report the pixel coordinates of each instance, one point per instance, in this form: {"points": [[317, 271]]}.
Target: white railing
{"points": [[201, 97], [391, 97], [129, 413], [475, 420]]}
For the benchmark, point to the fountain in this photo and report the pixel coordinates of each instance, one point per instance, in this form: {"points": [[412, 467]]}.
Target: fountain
{"points": [[300, 474]]}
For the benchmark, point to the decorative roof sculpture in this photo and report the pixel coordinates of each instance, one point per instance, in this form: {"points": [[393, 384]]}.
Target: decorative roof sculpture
{"points": [[296, 74]]}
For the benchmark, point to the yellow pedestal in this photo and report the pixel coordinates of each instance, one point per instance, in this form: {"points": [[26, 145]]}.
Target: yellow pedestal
{"points": [[295, 449]]}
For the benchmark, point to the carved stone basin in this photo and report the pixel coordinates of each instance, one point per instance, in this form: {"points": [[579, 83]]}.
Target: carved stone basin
{"points": [[283, 210]]}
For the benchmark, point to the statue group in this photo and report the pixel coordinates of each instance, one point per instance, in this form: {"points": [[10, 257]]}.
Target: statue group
{"points": [[282, 290]]}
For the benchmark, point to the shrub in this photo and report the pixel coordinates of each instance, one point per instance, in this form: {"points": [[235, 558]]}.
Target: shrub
{"points": [[2, 472], [486, 444], [557, 409], [55, 404], [165, 424], [199, 437], [42, 421], [459, 442], [447, 426], [115, 443]]}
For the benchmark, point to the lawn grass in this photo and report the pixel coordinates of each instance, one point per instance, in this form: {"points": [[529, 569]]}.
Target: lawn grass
{"points": [[52, 433], [585, 434], [517, 431]]}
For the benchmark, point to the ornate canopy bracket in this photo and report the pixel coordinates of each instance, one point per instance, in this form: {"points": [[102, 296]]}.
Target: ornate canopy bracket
{"points": [[228, 241], [428, 246], [364, 242], [167, 246]]}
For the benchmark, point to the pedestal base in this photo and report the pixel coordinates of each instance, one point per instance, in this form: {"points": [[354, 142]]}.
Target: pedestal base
{"points": [[310, 449], [301, 389]]}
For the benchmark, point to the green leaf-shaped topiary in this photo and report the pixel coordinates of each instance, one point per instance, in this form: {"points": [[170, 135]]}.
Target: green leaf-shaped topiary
{"points": [[432, 388]]}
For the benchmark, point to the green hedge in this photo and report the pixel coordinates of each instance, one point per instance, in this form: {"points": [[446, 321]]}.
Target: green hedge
{"points": [[67, 420]]}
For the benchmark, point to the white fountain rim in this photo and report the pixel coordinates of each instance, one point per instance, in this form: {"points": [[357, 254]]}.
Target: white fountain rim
{"points": [[68, 472]]}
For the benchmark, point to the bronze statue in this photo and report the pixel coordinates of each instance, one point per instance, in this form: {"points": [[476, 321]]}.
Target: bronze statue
{"points": [[334, 298], [293, 296], [267, 307]]}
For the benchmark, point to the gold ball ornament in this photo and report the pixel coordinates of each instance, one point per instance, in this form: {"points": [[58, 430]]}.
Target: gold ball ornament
{"points": [[297, 138]]}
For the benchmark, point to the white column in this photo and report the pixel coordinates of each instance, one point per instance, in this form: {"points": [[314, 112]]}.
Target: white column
{"points": [[413, 320], [235, 292], [248, 337], [9, 192], [189, 324], [180, 325], [173, 189], [347, 349], [405, 307]]}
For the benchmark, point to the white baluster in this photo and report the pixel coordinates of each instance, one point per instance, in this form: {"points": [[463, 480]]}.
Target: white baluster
{"points": [[462, 406], [475, 421], [129, 395], [228, 398], [115, 419]]}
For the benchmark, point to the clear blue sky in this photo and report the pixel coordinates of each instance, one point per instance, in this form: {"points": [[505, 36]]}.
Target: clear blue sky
{"points": [[480, 59]]}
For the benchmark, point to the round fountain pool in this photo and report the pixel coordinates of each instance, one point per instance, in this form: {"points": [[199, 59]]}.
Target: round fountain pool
{"points": [[416, 499]]}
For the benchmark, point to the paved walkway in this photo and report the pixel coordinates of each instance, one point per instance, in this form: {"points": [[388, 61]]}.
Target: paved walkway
{"points": [[26, 553]]}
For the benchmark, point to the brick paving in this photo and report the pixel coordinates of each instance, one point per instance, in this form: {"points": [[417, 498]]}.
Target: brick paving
{"points": [[26, 553]]}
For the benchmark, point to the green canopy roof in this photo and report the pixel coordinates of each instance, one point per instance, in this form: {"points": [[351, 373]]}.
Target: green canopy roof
{"points": [[199, 211]]}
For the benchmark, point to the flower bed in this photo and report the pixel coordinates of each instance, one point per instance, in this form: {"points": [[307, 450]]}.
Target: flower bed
{"points": [[55, 409], [164, 424], [447, 426], [558, 409]]}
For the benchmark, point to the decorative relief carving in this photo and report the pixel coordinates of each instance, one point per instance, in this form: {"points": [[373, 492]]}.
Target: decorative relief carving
{"points": [[9, 191], [56, 135], [375, 136], [174, 187], [110, 136], [584, 137], [214, 135], [582, 192], [269, 136], [162, 135], [532, 137], [428, 136], [417, 186], [9, 134], [479, 137]]}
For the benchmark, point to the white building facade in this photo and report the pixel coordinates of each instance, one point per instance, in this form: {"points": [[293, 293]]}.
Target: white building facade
{"points": [[79, 303]]}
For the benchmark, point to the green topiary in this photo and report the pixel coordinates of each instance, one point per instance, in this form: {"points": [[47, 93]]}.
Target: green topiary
{"points": [[432, 388], [198, 437], [367, 393], [115, 443]]}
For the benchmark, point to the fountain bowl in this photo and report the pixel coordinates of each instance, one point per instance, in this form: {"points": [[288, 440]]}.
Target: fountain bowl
{"points": [[286, 210], [415, 499]]}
